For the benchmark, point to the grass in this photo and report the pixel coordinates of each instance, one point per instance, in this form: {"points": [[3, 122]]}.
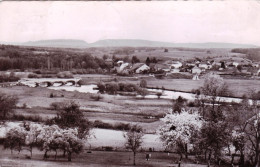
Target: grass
{"points": [[94, 159]]}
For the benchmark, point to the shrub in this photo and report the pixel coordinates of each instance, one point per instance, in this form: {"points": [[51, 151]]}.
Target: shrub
{"points": [[32, 76], [65, 74], [143, 83], [51, 95], [96, 97]]}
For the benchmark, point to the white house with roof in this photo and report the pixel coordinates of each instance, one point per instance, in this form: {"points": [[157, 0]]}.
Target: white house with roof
{"points": [[196, 70], [205, 66], [123, 67], [176, 64], [142, 69], [235, 64], [258, 72]]}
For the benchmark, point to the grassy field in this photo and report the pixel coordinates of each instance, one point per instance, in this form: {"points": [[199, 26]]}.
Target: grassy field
{"points": [[239, 87], [93, 159], [110, 109]]}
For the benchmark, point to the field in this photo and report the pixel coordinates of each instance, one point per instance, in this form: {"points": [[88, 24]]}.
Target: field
{"points": [[93, 159]]}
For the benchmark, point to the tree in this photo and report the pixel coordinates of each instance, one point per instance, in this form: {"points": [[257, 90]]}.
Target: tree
{"points": [[7, 104], [143, 92], [215, 133], [70, 116], [178, 129], [135, 60], [15, 138], [55, 138], [143, 83], [148, 61], [134, 139], [246, 120], [33, 132]]}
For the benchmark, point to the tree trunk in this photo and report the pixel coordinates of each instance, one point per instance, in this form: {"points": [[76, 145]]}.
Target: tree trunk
{"points": [[232, 159], [69, 156], [209, 158], [186, 151], [134, 157], [55, 154], [242, 160], [179, 163], [31, 150], [64, 153], [45, 155]]}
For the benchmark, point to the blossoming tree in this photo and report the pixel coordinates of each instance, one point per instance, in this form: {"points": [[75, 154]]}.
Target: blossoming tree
{"points": [[177, 130]]}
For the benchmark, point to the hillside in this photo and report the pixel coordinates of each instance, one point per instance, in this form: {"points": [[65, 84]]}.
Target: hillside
{"points": [[73, 43]]}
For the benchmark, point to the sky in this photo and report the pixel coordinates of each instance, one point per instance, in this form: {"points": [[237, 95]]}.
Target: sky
{"points": [[168, 21]]}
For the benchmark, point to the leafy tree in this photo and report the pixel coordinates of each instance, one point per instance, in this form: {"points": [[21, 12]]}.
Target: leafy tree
{"points": [[7, 104], [178, 129], [15, 138], [70, 116], [55, 138], [246, 120], [134, 139], [143, 83], [215, 133], [179, 104], [33, 132], [135, 60], [148, 61], [143, 92]]}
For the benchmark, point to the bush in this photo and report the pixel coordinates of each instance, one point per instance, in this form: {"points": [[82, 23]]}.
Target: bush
{"points": [[143, 83], [33, 118], [96, 97], [32, 76], [51, 95], [65, 74]]}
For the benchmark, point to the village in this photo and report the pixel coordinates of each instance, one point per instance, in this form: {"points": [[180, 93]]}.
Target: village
{"points": [[242, 67]]}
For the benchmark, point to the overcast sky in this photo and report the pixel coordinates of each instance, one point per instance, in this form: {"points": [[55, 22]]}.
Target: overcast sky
{"points": [[169, 21]]}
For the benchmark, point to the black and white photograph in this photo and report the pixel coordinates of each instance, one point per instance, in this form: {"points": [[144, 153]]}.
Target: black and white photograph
{"points": [[130, 83]]}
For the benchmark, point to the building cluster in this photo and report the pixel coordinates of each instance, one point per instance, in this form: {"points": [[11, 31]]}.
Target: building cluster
{"points": [[196, 67]]}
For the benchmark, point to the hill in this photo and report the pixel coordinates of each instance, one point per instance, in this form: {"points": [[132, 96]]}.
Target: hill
{"points": [[63, 43], [73, 43]]}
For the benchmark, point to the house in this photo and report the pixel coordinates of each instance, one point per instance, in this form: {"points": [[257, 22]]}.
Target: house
{"points": [[158, 67], [143, 68], [120, 62], [255, 65], [122, 67], [258, 72], [175, 70], [196, 70], [176, 64], [136, 66], [205, 66], [235, 64]]}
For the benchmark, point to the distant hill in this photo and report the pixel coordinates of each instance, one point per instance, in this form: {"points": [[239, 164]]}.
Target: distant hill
{"points": [[72, 43], [147, 43], [63, 43]]}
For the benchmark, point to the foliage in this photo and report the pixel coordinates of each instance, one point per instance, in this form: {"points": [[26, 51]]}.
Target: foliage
{"points": [[70, 116], [15, 138], [8, 78], [7, 104], [178, 129], [143, 83]]}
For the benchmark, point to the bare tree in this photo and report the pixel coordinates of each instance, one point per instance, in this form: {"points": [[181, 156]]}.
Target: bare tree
{"points": [[134, 139]]}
